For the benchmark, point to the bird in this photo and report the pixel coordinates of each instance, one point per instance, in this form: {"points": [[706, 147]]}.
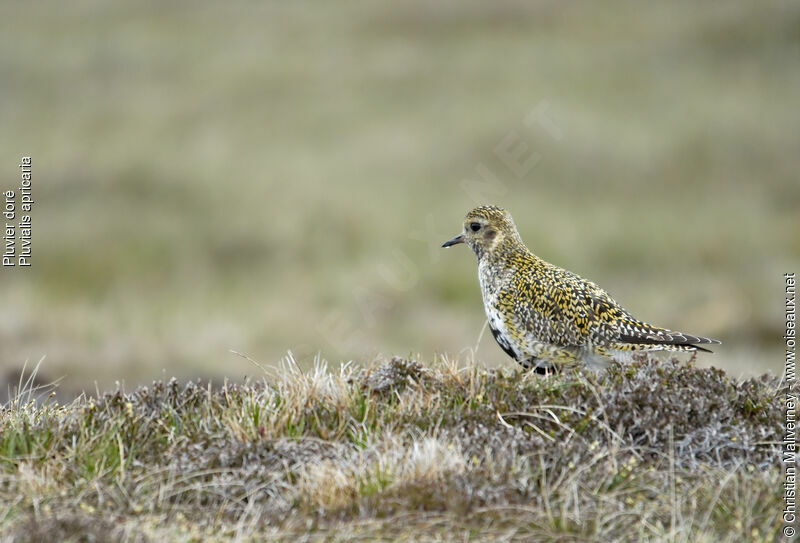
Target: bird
{"points": [[547, 318]]}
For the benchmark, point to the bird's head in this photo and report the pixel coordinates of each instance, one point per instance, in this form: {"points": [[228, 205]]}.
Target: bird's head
{"points": [[486, 230]]}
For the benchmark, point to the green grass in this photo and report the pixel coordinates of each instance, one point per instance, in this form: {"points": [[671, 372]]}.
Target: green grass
{"points": [[261, 175], [652, 451]]}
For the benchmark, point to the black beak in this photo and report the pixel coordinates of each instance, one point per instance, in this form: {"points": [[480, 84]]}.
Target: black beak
{"points": [[455, 241]]}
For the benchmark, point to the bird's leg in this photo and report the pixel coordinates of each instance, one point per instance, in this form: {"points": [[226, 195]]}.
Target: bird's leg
{"points": [[539, 366]]}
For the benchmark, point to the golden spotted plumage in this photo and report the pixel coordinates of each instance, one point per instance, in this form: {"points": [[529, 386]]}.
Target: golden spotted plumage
{"points": [[543, 315]]}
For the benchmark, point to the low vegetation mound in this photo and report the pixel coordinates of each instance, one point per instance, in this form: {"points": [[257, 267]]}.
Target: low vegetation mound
{"points": [[648, 451]]}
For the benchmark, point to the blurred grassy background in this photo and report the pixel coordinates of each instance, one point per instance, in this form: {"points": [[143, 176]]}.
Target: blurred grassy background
{"points": [[280, 175]]}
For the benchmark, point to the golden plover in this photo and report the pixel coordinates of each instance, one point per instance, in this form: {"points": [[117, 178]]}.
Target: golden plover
{"points": [[544, 316]]}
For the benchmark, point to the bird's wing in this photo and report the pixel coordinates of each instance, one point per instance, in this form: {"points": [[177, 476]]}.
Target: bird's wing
{"points": [[569, 311], [627, 330]]}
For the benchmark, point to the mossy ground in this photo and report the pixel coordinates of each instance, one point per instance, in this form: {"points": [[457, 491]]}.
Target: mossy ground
{"points": [[651, 451]]}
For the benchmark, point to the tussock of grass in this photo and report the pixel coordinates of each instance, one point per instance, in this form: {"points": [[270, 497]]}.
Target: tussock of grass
{"points": [[653, 450]]}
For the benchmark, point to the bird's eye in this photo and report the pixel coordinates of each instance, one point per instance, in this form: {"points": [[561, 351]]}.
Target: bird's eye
{"points": [[474, 226]]}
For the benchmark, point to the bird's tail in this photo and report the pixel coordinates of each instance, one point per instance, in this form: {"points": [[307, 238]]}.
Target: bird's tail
{"points": [[640, 336]]}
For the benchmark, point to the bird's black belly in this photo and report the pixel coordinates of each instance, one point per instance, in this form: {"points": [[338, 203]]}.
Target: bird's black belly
{"points": [[503, 342], [542, 368]]}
